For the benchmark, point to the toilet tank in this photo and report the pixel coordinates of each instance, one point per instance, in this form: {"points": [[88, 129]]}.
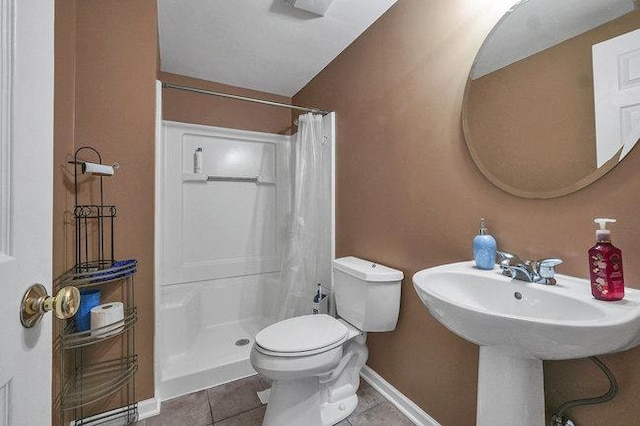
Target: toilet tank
{"points": [[367, 294]]}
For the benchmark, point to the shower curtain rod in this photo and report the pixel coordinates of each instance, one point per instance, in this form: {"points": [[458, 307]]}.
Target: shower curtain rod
{"points": [[243, 98]]}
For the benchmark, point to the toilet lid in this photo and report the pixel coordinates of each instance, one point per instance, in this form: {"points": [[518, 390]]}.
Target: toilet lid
{"points": [[301, 334]]}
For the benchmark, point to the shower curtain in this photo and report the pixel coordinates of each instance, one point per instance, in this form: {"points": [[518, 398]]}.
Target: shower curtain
{"points": [[308, 232]]}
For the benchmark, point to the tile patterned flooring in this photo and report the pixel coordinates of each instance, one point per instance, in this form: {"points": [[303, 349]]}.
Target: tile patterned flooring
{"points": [[236, 404]]}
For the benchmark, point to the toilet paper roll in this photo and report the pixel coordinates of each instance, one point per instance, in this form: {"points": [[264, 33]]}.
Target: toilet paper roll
{"points": [[106, 315], [97, 169]]}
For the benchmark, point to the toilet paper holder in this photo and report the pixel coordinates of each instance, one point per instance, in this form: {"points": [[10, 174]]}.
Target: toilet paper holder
{"points": [[92, 167]]}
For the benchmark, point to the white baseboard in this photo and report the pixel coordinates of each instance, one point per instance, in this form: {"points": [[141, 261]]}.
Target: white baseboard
{"points": [[148, 408], [407, 407]]}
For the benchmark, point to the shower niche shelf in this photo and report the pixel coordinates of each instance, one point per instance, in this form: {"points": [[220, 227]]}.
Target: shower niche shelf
{"points": [[97, 367], [202, 177]]}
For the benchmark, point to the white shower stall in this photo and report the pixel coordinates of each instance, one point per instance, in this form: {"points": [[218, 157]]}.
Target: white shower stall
{"points": [[220, 239]]}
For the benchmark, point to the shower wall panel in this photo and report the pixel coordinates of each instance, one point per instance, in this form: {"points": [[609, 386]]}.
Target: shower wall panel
{"points": [[222, 228]]}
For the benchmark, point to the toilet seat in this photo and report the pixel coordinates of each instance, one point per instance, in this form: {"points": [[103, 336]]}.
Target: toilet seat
{"points": [[302, 336]]}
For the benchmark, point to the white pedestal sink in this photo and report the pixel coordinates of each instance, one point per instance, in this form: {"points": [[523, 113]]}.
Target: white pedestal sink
{"points": [[519, 324]]}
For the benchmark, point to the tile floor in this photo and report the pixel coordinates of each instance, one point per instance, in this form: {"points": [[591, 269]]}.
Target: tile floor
{"points": [[236, 404]]}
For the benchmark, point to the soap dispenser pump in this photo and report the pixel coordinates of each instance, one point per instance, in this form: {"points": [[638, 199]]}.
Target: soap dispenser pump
{"points": [[605, 265], [484, 248]]}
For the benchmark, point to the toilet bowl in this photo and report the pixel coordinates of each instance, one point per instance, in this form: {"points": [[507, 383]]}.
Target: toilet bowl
{"points": [[305, 357], [314, 361]]}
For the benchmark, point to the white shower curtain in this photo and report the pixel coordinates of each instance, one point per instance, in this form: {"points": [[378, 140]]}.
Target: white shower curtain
{"points": [[308, 235]]}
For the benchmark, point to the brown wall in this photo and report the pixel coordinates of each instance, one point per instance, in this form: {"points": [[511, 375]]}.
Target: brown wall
{"points": [[190, 107], [410, 196], [106, 66]]}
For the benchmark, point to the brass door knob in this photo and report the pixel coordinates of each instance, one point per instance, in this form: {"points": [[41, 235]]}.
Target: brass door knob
{"points": [[36, 302]]}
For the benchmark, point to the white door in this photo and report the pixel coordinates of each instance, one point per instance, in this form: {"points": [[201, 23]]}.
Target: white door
{"points": [[616, 84], [26, 167]]}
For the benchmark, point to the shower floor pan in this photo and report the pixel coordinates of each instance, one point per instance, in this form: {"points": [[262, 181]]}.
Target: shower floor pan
{"points": [[217, 355]]}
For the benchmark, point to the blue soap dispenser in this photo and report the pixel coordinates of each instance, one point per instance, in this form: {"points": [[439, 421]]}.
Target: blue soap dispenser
{"points": [[484, 248]]}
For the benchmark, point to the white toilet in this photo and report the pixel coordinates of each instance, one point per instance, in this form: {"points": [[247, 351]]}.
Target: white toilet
{"points": [[314, 361]]}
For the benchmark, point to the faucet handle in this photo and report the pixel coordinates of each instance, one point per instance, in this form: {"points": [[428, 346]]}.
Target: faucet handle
{"points": [[507, 259], [546, 267]]}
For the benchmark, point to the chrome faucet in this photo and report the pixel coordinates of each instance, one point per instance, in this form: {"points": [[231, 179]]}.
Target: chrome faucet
{"points": [[541, 271]]}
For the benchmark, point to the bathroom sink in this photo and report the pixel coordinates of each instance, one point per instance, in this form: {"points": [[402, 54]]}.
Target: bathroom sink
{"points": [[517, 325], [528, 319]]}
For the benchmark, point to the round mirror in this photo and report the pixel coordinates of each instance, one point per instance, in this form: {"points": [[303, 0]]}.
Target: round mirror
{"points": [[553, 98]]}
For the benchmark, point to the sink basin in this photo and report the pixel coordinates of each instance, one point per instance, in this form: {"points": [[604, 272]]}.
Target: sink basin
{"points": [[528, 319], [518, 324]]}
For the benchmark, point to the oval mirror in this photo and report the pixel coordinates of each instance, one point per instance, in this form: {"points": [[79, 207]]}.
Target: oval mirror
{"points": [[553, 97]]}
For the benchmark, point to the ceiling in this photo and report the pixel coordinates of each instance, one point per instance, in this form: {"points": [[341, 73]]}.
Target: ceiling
{"points": [[259, 44]]}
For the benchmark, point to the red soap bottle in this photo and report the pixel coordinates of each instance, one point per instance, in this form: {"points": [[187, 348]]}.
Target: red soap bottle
{"points": [[605, 265]]}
